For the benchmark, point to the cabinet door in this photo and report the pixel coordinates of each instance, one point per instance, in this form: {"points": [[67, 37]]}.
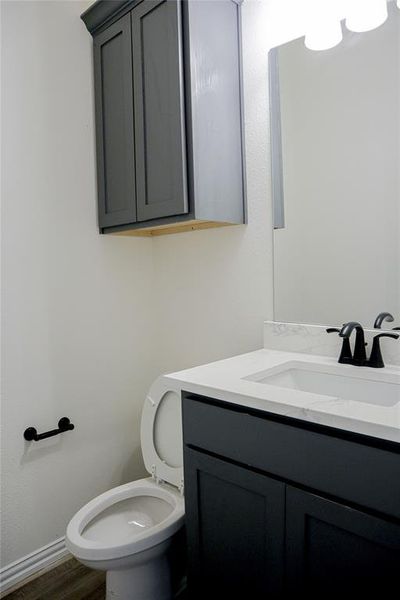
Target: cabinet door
{"points": [[235, 530], [332, 549], [159, 109], [114, 124]]}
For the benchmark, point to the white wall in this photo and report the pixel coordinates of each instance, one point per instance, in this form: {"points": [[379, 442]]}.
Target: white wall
{"points": [[90, 320], [77, 307], [215, 287]]}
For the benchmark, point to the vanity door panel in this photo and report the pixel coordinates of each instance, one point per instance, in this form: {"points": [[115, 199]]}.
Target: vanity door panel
{"points": [[235, 529], [332, 549]]}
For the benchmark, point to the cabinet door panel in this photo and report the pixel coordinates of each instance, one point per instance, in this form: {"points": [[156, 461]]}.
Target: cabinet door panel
{"points": [[114, 124], [332, 549], [159, 109], [235, 530]]}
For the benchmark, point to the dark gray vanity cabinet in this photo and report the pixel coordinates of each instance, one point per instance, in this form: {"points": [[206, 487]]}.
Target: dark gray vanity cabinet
{"points": [[276, 506], [236, 526], [169, 136], [332, 548]]}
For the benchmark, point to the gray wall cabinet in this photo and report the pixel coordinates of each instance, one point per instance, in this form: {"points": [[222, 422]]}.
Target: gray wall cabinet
{"points": [[276, 507], [114, 124], [169, 122], [159, 110]]}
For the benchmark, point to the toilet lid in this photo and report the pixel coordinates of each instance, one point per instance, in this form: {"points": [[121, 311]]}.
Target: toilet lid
{"points": [[161, 432]]}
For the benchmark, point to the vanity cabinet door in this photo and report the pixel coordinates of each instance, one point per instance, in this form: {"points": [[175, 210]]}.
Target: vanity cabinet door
{"points": [[332, 549], [159, 109], [235, 530], [114, 124]]}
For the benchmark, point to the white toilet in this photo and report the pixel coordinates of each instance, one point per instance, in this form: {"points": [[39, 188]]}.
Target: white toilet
{"points": [[129, 530]]}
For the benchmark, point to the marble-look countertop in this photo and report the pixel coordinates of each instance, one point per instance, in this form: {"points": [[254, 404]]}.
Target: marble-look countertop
{"points": [[226, 380], [313, 339]]}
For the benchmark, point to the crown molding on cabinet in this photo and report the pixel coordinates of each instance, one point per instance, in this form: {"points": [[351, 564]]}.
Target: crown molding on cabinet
{"points": [[102, 12]]}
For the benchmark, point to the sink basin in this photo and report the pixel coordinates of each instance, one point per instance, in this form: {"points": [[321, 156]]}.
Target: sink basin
{"points": [[334, 381]]}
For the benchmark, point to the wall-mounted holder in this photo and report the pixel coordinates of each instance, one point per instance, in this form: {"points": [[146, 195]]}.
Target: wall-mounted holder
{"points": [[64, 424]]}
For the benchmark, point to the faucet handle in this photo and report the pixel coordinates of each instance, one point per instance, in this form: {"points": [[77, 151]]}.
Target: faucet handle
{"points": [[359, 355], [383, 316], [346, 355], [376, 360]]}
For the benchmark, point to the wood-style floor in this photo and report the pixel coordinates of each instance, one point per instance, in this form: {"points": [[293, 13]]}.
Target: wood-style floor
{"points": [[68, 581]]}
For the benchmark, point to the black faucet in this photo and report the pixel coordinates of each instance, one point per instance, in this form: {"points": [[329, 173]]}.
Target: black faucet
{"points": [[359, 356], [383, 316], [376, 360], [346, 356]]}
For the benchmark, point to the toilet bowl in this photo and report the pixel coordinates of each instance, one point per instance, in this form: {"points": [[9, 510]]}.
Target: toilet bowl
{"points": [[131, 530]]}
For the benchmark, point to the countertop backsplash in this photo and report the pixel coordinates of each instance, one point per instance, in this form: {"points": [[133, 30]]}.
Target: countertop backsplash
{"points": [[313, 339]]}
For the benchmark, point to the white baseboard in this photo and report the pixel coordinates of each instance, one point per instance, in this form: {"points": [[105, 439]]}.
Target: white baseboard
{"points": [[28, 566]]}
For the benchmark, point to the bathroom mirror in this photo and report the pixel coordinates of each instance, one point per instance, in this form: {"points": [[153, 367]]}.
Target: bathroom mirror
{"points": [[335, 136]]}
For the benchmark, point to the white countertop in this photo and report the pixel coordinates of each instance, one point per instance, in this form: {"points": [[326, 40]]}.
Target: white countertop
{"points": [[224, 380]]}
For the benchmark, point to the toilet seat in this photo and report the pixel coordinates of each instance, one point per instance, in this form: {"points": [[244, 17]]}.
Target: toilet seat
{"points": [[99, 549], [161, 433], [113, 525]]}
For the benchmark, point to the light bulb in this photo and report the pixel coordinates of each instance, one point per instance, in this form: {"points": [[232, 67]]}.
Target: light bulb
{"points": [[364, 15], [324, 35]]}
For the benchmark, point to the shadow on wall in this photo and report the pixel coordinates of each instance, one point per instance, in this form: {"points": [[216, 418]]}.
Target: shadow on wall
{"points": [[132, 469], [33, 451]]}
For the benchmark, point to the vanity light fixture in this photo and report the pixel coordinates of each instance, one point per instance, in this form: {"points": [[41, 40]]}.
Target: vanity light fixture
{"points": [[361, 15], [324, 35], [364, 15], [323, 27]]}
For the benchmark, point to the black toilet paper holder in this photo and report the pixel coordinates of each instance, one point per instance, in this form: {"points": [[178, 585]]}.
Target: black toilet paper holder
{"points": [[64, 424]]}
